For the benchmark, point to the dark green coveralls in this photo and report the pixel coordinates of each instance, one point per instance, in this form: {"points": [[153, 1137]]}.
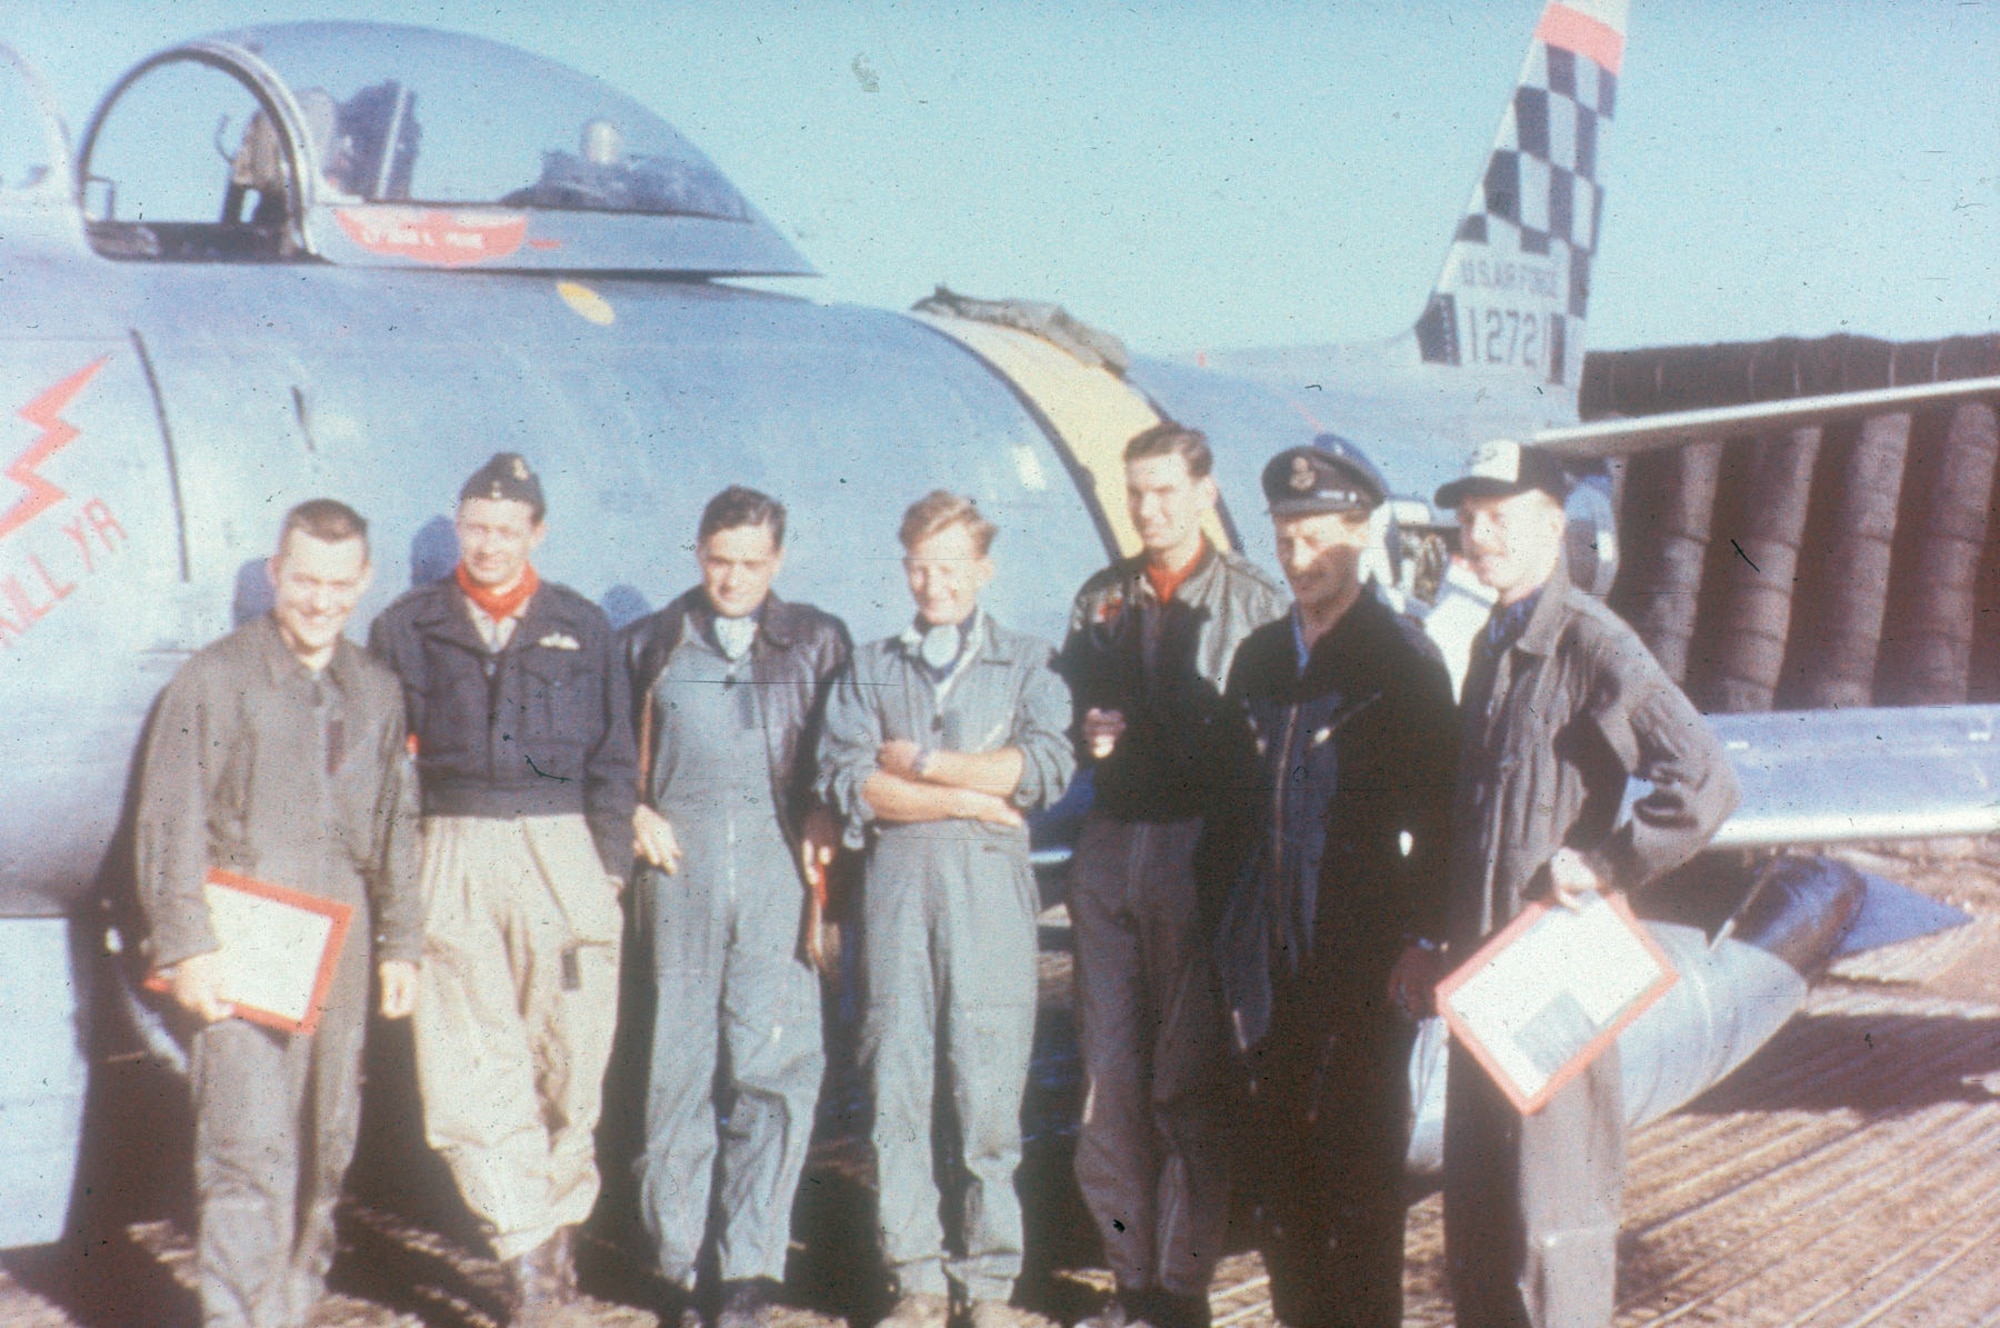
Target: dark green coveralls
{"points": [[1555, 723]]}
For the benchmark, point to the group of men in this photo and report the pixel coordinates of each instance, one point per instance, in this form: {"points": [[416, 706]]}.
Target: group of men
{"points": [[1293, 833]]}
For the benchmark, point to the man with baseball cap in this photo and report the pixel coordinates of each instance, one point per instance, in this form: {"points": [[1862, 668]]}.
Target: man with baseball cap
{"points": [[1332, 851], [1563, 705], [519, 707]]}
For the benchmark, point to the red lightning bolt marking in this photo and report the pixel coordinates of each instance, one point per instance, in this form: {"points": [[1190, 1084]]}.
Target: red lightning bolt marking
{"points": [[45, 413]]}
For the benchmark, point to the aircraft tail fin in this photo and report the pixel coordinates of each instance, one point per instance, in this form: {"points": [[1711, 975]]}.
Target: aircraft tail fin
{"points": [[1512, 299]]}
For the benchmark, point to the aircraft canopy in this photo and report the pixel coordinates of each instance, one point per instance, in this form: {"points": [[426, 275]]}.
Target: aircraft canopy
{"points": [[373, 144]]}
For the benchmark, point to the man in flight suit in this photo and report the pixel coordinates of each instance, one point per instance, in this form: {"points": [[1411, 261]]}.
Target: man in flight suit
{"points": [[1337, 822], [1563, 705], [1150, 642], [731, 684], [277, 753], [937, 740], [521, 713]]}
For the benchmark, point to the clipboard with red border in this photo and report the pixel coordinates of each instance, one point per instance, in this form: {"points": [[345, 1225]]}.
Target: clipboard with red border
{"points": [[304, 974], [1493, 1061]]}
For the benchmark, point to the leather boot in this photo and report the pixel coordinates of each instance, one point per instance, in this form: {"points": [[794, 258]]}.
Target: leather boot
{"points": [[564, 1263], [747, 1303], [535, 1283]]}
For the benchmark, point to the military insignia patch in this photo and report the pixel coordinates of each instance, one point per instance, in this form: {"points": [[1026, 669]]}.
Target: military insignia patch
{"points": [[1302, 477]]}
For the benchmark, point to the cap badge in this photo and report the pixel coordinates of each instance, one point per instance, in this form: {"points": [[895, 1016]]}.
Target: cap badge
{"points": [[1302, 477], [520, 470], [1499, 459]]}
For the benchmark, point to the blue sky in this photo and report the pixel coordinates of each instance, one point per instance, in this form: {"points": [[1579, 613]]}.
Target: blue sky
{"points": [[1208, 175]]}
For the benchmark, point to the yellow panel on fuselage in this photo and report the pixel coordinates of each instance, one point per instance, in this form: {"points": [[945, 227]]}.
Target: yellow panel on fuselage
{"points": [[1093, 411]]}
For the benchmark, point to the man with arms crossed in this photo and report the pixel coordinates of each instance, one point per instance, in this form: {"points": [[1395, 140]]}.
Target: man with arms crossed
{"points": [[937, 740], [277, 753], [1336, 819], [1150, 642], [522, 719], [1562, 705], [731, 685]]}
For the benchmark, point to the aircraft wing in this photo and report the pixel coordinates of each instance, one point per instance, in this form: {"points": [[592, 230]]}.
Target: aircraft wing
{"points": [[1646, 433], [1824, 776]]}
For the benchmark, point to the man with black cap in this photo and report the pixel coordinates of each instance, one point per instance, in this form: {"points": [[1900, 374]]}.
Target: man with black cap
{"points": [[519, 709], [1150, 642], [1563, 706], [1332, 848]]}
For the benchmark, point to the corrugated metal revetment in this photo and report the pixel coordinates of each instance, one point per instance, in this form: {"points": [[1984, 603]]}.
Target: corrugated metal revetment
{"points": [[1848, 564]]}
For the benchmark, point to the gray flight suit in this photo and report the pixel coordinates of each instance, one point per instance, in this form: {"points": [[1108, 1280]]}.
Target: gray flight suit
{"points": [[724, 932], [948, 942], [1556, 720], [254, 765]]}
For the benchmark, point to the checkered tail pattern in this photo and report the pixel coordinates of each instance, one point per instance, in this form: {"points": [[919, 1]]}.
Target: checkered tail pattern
{"points": [[1516, 286]]}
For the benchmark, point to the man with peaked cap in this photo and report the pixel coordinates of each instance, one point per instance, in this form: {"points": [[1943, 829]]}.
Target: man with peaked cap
{"points": [[519, 709], [1563, 706], [1331, 845], [1150, 641]]}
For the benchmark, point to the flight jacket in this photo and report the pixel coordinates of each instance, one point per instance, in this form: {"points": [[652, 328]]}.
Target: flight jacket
{"points": [[1331, 832], [794, 657], [540, 728], [1163, 666]]}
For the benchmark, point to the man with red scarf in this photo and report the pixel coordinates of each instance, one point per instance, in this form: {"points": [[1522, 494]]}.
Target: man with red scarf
{"points": [[521, 717], [1150, 643]]}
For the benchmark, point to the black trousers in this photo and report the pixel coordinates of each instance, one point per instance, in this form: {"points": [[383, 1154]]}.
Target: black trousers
{"points": [[1323, 1149]]}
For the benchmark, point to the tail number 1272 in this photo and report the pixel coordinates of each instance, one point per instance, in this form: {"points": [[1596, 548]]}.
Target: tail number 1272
{"points": [[1505, 336]]}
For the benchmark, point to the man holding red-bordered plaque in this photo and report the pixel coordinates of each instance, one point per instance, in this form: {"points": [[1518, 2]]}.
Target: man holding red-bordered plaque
{"points": [[277, 753]]}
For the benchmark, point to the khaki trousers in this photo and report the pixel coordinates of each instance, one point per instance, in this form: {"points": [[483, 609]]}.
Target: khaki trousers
{"points": [[518, 999]]}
